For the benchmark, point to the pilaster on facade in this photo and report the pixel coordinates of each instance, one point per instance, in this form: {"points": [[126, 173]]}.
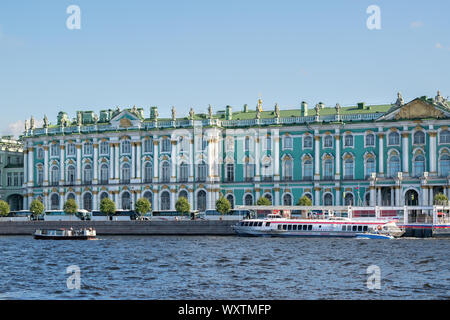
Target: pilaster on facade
{"points": [[380, 152]]}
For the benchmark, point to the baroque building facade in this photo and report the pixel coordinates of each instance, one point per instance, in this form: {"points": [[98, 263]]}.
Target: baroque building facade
{"points": [[11, 172], [391, 155]]}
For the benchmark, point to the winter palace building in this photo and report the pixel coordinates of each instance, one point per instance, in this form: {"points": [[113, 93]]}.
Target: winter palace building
{"points": [[395, 154]]}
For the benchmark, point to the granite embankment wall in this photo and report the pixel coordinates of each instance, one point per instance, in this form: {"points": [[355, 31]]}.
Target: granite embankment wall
{"points": [[184, 227]]}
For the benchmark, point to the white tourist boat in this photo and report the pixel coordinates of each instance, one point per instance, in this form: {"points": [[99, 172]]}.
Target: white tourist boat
{"points": [[65, 234], [283, 225]]}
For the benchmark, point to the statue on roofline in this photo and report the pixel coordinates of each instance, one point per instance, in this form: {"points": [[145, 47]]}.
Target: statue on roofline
{"points": [[400, 100], [45, 121], [32, 123], [174, 113], [210, 112], [26, 125], [191, 114], [277, 110]]}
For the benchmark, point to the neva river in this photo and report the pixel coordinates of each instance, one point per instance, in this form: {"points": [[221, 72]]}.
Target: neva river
{"points": [[184, 267]]}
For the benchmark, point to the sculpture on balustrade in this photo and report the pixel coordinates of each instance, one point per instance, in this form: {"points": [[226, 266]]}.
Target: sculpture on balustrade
{"points": [[210, 112], [399, 101], [338, 108], [440, 100], [45, 121], [26, 125], [32, 123], [317, 109], [174, 114], [95, 118], [277, 110], [191, 114], [79, 119]]}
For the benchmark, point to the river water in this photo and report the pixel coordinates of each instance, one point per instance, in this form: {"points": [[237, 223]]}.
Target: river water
{"points": [[209, 267]]}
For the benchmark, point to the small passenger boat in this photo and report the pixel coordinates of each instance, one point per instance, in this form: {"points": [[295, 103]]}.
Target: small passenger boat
{"points": [[65, 234], [372, 235]]}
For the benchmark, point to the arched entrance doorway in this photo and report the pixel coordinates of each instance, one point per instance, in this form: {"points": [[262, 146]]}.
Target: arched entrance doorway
{"points": [[15, 202], [201, 201], [411, 198]]}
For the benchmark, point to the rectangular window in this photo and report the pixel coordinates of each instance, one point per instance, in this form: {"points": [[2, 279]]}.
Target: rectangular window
{"points": [[230, 172]]}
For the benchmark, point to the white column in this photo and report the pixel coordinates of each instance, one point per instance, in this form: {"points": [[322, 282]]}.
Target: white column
{"points": [[277, 195], [138, 161], [111, 163], [276, 156], [116, 162], [133, 161], [380, 154], [372, 196], [95, 166], [405, 153], [155, 204], [317, 196], [45, 164], [257, 158], [25, 165], [155, 159], [62, 161], [317, 156], [424, 195], [78, 145], [379, 197], [338, 156], [94, 200], [397, 196], [30, 166], [173, 162], [433, 153], [172, 199], [431, 197], [191, 199], [192, 159]]}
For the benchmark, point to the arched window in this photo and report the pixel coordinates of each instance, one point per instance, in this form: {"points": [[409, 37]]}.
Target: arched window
{"points": [[148, 172], [419, 137], [103, 195], [104, 174], [184, 172], [201, 201], [87, 150], [54, 202], [328, 141], [202, 171], [444, 164], [54, 176], [308, 142], [308, 195], [104, 148], [287, 200], [40, 176], [328, 169], [87, 201], [348, 199], [87, 174], [165, 172], [71, 196], [248, 200], [287, 170], [183, 194], [165, 200], [125, 173], [40, 153], [419, 165], [370, 166], [328, 199], [267, 172], [348, 140], [125, 147], [126, 201], [444, 136], [71, 174], [370, 140], [348, 169], [230, 198], [268, 196], [287, 142], [148, 145], [54, 150], [149, 196], [307, 169], [394, 138], [393, 166]]}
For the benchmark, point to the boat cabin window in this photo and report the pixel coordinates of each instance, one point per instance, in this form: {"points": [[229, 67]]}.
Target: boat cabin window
{"points": [[294, 227], [359, 228], [344, 228], [280, 226], [310, 227], [289, 227], [267, 224], [365, 228], [284, 227], [354, 228]]}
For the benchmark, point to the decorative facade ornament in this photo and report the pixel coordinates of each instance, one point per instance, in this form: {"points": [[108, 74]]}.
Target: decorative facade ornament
{"points": [[399, 101], [174, 113], [45, 121]]}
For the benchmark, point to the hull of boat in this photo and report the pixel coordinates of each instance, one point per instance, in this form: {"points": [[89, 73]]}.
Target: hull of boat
{"points": [[43, 237], [373, 236]]}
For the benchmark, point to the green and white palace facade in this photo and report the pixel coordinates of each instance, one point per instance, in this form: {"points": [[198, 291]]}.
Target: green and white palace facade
{"points": [[391, 155]]}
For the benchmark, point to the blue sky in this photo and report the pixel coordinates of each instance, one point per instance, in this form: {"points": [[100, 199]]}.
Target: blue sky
{"points": [[194, 53]]}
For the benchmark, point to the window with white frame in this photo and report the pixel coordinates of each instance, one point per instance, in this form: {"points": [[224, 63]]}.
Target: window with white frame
{"points": [[148, 145], [104, 148], [87, 148], [308, 169], [71, 149], [54, 150], [349, 165], [307, 142], [328, 141], [419, 137], [444, 136], [370, 166], [125, 147], [370, 140], [287, 142], [287, 170], [394, 139], [165, 145], [348, 140], [444, 165], [418, 165], [40, 153], [393, 165]]}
